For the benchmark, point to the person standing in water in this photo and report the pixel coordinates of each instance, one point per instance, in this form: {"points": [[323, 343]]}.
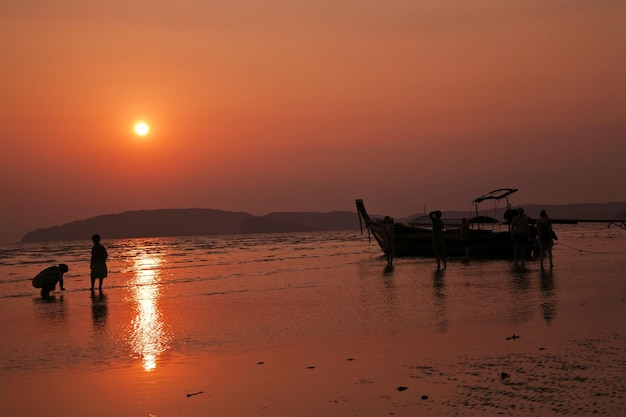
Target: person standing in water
{"points": [[438, 243], [546, 236], [98, 263], [388, 240], [519, 235], [464, 234]]}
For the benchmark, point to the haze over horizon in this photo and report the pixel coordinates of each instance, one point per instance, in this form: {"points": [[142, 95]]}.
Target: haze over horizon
{"points": [[306, 106]]}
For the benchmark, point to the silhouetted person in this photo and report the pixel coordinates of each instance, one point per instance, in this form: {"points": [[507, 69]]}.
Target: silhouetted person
{"points": [[438, 244], [48, 278], [388, 240], [98, 263], [519, 235], [546, 237], [464, 233]]}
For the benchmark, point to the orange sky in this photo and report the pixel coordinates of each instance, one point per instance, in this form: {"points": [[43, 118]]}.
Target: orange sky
{"points": [[306, 105]]}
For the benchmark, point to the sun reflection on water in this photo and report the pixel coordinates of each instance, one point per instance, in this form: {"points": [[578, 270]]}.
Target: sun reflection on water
{"points": [[148, 336]]}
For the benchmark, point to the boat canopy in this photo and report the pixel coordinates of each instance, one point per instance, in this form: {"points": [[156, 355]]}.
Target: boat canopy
{"points": [[426, 221], [498, 194]]}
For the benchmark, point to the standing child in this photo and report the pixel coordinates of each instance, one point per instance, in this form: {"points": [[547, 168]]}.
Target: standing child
{"points": [[98, 264]]}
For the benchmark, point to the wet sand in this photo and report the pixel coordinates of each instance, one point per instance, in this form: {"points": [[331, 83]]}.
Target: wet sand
{"points": [[483, 370]]}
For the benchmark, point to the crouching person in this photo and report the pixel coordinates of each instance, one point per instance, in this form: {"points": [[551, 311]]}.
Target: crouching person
{"points": [[48, 278]]}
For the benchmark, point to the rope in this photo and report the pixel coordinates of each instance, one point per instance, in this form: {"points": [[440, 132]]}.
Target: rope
{"points": [[588, 251]]}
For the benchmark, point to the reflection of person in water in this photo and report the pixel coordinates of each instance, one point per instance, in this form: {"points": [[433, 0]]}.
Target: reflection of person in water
{"points": [[439, 297], [48, 278], [548, 304], [99, 309]]}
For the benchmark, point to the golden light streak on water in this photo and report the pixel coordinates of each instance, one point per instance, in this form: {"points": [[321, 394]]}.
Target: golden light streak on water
{"points": [[148, 336]]}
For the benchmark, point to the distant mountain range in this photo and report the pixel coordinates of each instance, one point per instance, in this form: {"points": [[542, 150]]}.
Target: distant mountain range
{"points": [[192, 222], [199, 222]]}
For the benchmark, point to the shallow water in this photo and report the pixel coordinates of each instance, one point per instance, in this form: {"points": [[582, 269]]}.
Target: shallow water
{"points": [[169, 302]]}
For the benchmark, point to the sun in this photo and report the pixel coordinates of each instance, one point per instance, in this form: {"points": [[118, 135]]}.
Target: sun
{"points": [[142, 129]]}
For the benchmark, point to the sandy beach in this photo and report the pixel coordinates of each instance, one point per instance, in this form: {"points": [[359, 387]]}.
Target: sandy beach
{"points": [[341, 337], [480, 372]]}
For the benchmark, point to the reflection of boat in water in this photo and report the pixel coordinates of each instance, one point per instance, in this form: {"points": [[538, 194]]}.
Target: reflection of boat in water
{"points": [[488, 237]]}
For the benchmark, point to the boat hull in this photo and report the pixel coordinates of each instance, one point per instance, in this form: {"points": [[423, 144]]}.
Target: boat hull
{"points": [[483, 242], [412, 241]]}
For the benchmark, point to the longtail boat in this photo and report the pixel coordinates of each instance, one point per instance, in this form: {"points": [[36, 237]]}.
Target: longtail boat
{"points": [[488, 236]]}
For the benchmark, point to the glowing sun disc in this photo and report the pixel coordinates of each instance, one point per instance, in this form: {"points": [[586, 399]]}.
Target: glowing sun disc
{"points": [[142, 129]]}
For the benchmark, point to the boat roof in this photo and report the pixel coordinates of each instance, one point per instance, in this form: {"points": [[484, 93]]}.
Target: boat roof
{"points": [[426, 221], [498, 194]]}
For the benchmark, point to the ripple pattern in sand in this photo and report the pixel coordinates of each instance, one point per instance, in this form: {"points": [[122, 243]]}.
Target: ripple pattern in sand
{"points": [[587, 377]]}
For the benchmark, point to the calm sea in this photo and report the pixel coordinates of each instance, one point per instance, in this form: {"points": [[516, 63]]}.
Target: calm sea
{"points": [[172, 299]]}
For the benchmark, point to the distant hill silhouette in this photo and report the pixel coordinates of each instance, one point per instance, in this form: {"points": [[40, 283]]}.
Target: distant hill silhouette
{"points": [[191, 222], [200, 222], [582, 211]]}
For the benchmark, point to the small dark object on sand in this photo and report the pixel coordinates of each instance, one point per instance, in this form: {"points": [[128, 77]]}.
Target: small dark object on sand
{"points": [[514, 337], [195, 393], [424, 397], [351, 359], [402, 388], [260, 363], [504, 376], [310, 367]]}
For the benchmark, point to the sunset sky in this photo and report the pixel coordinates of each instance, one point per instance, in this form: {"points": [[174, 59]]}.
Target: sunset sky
{"points": [[290, 105]]}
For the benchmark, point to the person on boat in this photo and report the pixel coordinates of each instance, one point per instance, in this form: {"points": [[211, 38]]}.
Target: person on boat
{"points": [[546, 237], [48, 278], [438, 243], [519, 235], [464, 233]]}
